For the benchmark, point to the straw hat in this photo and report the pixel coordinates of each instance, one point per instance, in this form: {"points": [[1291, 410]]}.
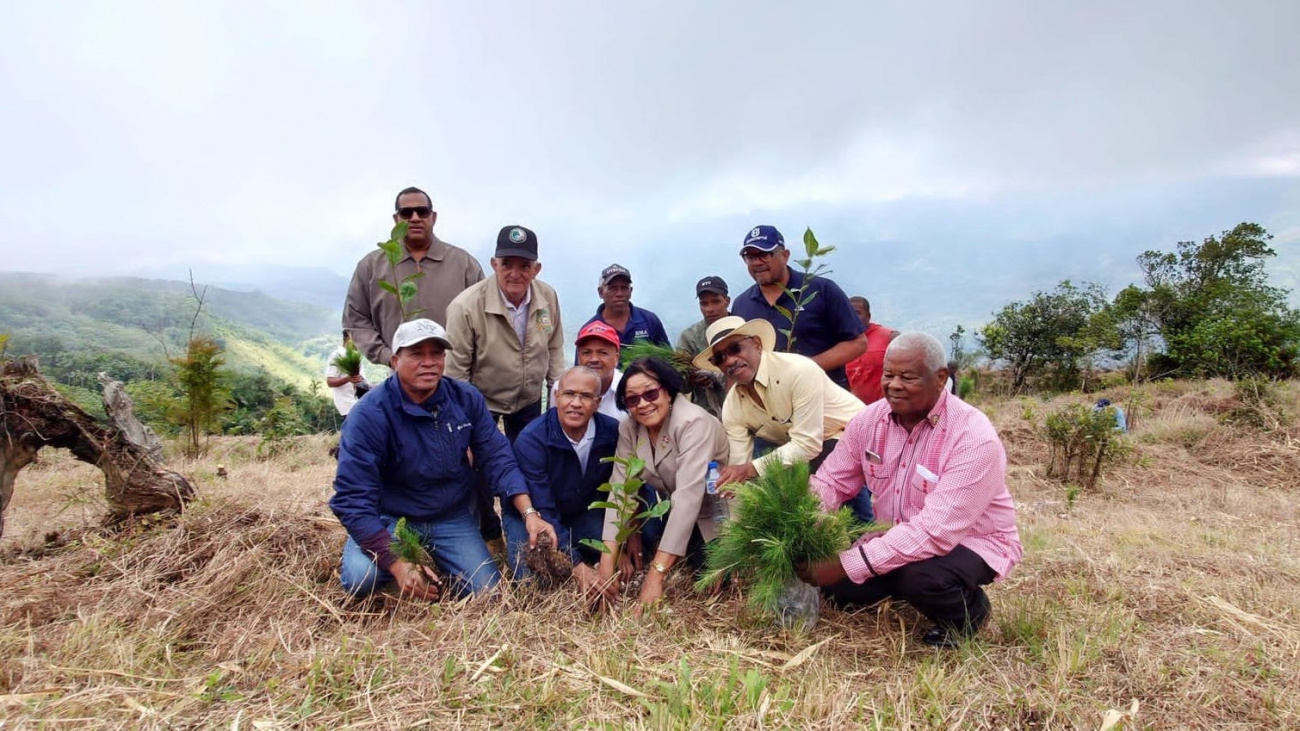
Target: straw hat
{"points": [[731, 325]]}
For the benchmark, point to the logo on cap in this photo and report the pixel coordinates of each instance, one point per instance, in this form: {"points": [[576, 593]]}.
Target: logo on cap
{"points": [[517, 235], [755, 234]]}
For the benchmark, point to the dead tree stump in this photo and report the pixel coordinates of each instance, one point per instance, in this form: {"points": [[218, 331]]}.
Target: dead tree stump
{"points": [[34, 415]]}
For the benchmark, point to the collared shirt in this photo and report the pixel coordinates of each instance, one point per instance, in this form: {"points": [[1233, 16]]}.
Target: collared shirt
{"points": [[801, 409], [518, 314], [582, 447], [693, 341], [826, 320], [940, 485], [372, 314], [641, 325]]}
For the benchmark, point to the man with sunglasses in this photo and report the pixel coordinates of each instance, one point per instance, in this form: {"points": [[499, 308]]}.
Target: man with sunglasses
{"points": [[826, 328], [783, 399], [372, 314]]}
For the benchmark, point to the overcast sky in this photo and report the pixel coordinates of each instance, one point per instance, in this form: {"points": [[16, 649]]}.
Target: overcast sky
{"points": [[973, 150]]}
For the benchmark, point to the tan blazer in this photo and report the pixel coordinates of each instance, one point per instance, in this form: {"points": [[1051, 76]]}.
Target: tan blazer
{"points": [[676, 468]]}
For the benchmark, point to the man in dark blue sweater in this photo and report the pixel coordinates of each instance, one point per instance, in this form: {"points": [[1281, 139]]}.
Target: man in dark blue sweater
{"points": [[561, 454], [405, 453]]}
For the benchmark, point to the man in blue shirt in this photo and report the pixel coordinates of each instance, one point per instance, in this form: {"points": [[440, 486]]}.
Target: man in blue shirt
{"points": [[631, 322], [561, 454], [826, 328], [405, 454]]}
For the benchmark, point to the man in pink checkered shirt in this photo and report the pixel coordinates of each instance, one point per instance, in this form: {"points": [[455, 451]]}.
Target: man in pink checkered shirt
{"points": [[936, 470]]}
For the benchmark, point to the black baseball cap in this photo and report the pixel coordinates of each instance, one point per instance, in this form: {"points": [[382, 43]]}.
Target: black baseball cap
{"points": [[711, 283], [516, 241]]}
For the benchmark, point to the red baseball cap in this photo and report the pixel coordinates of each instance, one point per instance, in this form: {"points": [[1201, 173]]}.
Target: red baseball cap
{"points": [[598, 329]]}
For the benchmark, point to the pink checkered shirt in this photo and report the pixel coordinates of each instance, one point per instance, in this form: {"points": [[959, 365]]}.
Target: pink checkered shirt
{"points": [[942, 485]]}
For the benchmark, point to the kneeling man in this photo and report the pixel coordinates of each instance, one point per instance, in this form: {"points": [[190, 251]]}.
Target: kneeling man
{"points": [[562, 455], [405, 453], [936, 470]]}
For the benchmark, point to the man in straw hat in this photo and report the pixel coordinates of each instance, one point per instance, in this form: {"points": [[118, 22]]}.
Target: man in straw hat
{"points": [[404, 455], [783, 399]]}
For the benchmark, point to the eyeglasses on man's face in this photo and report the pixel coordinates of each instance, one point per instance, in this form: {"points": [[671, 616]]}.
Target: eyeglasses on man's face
{"points": [[757, 254], [571, 395], [414, 212]]}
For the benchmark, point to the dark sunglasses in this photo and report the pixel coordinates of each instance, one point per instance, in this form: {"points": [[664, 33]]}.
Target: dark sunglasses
{"points": [[720, 356], [648, 395], [415, 212]]}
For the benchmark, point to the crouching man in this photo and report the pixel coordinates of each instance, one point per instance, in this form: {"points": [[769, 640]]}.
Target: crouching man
{"points": [[936, 470], [404, 453], [562, 455]]}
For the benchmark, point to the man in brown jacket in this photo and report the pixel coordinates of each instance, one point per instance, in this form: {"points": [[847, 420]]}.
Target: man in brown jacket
{"points": [[507, 335], [371, 314]]}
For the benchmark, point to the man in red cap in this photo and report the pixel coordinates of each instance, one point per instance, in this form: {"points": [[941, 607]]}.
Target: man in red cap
{"points": [[598, 345]]}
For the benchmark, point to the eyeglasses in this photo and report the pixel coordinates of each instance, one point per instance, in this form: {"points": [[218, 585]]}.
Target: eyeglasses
{"points": [[756, 254], [415, 212], [720, 356], [579, 395], [648, 395]]}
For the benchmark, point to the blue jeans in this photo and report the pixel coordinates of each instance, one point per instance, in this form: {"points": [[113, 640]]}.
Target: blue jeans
{"points": [[457, 548], [570, 532]]}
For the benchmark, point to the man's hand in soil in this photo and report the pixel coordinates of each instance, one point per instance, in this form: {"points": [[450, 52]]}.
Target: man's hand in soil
{"points": [[537, 526], [415, 580]]}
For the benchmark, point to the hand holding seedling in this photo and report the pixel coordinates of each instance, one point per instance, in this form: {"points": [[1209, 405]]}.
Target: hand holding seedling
{"points": [[416, 580], [826, 572], [732, 474]]}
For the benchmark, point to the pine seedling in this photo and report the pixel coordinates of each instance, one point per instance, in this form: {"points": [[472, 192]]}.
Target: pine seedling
{"points": [[349, 361], [680, 360], [404, 290], [408, 546], [624, 498], [777, 523]]}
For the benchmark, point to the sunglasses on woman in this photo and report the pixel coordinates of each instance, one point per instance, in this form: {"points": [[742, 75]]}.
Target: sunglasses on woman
{"points": [[648, 395]]}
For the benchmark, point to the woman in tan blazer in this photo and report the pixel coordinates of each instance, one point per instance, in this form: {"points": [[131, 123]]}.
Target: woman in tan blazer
{"points": [[676, 439]]}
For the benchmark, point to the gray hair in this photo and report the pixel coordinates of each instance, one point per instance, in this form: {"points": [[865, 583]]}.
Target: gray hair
{"points": [[926, 343], [580, 369]]}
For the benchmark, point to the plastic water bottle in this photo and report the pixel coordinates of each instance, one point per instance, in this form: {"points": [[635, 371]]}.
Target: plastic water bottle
{"points": [[721, 511]]}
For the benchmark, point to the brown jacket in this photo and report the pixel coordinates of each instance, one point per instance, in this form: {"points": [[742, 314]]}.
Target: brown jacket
{"points": [[676, 468], [486, 351], [372, 314]]}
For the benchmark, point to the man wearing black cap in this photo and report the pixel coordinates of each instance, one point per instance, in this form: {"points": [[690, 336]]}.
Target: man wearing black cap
{"points": [[617, 311], [507, 335], [508, 343], [825, 329], [708, 389]]}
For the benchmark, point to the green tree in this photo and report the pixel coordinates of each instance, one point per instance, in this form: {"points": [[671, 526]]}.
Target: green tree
{"points": [[1214, 311], [1055, 334], [204, 394]]}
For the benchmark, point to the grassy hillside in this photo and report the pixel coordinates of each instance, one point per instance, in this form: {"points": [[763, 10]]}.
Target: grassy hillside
{"points": [[1172, 591], [148, 319]]}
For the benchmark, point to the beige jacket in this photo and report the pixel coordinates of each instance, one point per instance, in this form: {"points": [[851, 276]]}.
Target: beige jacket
{"points": [[372, 315], [802, 407], [486, 351], [676, 468]]}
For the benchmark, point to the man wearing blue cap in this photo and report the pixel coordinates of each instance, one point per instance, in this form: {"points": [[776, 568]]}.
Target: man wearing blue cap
{"points": [[826, 327]]}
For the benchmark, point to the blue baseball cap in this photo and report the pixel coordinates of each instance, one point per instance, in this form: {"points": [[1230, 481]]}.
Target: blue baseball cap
{"points": [[763, 238]]}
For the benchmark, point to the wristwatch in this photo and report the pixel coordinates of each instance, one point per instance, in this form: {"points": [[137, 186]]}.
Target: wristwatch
{"points": [[657, 566], [531, 511]]}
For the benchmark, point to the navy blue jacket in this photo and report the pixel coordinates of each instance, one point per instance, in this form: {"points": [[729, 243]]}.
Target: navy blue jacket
{"points": [[826, 320], [404, 459], [641, 325], [559, 487]]}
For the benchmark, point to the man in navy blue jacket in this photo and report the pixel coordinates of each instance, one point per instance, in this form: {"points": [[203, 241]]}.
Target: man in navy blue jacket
{"points": [[561, 454], [405, 453]]}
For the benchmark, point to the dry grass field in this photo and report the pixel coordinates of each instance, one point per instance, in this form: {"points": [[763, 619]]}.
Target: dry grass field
{"points": [[1169, 598]]}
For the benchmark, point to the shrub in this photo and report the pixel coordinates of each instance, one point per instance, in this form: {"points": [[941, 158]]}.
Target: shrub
{"points": [[1082, 440]]}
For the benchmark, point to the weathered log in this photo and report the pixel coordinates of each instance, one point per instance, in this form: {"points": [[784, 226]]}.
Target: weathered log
{"points": [[121, 413], [33, 415]]}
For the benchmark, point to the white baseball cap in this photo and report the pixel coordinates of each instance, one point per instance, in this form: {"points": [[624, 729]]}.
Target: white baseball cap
{"points": [[417, 331]]}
